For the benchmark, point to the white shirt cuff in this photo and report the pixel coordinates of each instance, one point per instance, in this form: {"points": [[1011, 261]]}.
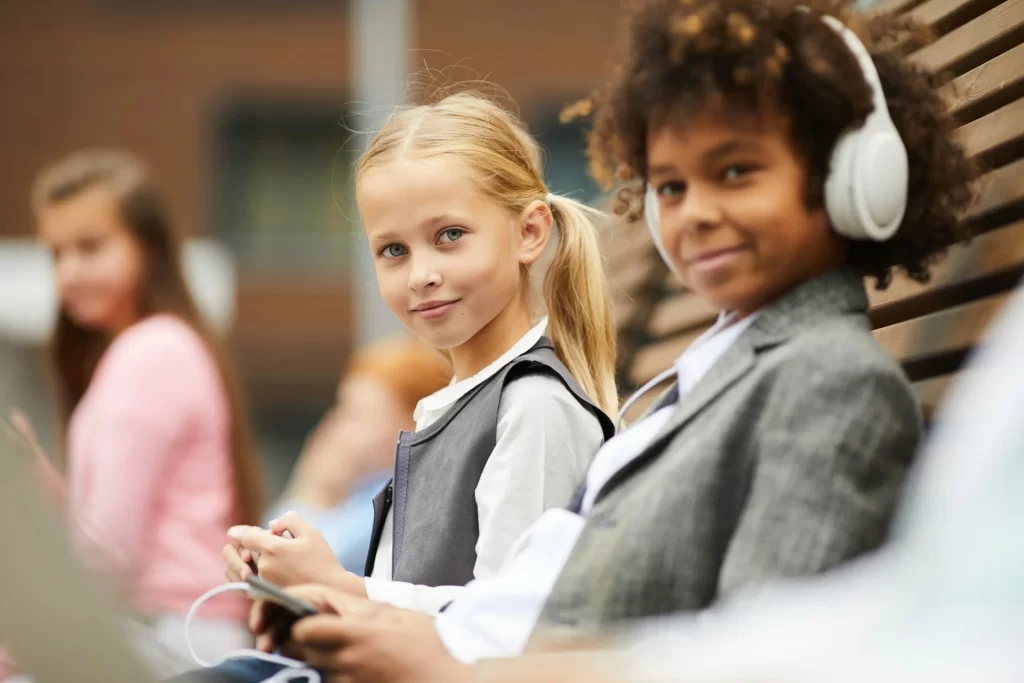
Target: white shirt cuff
{"points": [[427, 599]]}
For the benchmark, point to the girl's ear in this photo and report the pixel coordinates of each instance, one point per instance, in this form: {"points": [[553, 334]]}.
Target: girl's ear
{"points": [[535, 225]]}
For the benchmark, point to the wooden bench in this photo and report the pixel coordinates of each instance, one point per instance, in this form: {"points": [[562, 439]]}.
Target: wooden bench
{"points": [[932, 327]]}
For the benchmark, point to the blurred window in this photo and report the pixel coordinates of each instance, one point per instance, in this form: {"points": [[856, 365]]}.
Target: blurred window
{"points": [[565, 151], [282, 185]]}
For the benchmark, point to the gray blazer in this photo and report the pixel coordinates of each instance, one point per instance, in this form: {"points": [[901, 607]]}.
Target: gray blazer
{"points": [[786, 458]]}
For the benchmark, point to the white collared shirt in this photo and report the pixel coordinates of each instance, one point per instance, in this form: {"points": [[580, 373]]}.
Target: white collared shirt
{"points": [[545, 441], [494, 617]]}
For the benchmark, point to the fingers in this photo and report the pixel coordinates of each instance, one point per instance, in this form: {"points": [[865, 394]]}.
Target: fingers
{"points": [[317, 595], [254, 539], [235, 568], [257, 617], [324, 631], [238, 531], [333, 660], [265, 643], [291, 522]]}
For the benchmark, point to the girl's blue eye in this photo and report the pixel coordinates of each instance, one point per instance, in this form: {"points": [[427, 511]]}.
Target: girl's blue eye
{"points": [[393, 251], [452, 235]]}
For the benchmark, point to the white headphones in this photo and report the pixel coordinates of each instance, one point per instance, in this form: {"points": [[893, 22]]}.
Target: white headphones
{"points": [[866, 188]]}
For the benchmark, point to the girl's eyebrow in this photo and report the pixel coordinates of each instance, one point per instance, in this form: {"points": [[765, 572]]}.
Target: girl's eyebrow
{"points": [[381, 236], [432, 222], [443, 219]]}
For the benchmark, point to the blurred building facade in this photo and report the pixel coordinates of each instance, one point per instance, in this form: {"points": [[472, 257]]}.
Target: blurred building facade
{"points": [[244, 109]]}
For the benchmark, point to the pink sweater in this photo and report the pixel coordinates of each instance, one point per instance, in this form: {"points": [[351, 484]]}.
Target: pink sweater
{"points": [[150, 486]]}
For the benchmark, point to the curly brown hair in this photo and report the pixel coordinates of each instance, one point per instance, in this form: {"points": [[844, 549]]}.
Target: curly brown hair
{"points": [[684, 55]]}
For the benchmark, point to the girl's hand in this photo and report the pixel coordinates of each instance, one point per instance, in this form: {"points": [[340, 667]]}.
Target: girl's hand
{"points": [[304, 558], [239, 563], [49, 475]]}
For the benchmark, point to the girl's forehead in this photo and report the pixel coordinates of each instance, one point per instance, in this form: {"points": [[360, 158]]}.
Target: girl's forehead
{"points": [[92, 211]]}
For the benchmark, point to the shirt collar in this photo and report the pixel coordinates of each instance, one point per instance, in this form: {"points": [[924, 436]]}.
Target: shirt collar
{"points": [[442, 399], [705, 351]]}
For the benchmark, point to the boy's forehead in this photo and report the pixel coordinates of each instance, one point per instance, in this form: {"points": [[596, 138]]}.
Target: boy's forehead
{"points": [[698, 132]]}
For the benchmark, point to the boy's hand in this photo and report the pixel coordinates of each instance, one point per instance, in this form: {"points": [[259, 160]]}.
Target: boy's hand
{"points": [[304, 558], [374, 643], [324, 599]]}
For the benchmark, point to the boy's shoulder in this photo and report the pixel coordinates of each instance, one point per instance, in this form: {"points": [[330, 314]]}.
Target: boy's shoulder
{"points": [[842, 342], [836, 367]]}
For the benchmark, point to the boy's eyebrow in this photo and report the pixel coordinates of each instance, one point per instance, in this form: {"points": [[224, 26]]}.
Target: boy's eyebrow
{"points": [[730, 147], [722, 150], [661, 169]]}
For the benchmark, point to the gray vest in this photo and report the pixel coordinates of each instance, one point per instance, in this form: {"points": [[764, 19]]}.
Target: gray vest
{"points": [[436, 474]]}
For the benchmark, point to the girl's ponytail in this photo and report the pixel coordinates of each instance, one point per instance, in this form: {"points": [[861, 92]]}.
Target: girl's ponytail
{"points": [[577, 297]]}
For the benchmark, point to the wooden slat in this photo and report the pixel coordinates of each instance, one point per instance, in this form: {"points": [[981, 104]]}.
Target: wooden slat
{"points": [[944, 15], [991, 264], [632, 275], [894, 6], [623, 303], [673, 283], [930, 392], [987, 87], [655, 358], [995, 138], [682, 311], [1000, 197], [935, 344], [631, 245], [976, 42]]}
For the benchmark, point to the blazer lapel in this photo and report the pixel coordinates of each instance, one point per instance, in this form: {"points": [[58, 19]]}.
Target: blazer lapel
{"points": [[835, 292], [734, 363]]}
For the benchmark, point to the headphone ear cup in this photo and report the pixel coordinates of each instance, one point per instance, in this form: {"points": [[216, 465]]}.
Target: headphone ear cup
{"points": [[653, 220], [866, 189], [839, 189]]}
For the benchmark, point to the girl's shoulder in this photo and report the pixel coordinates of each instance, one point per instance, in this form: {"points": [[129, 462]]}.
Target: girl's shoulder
{"points": [[161, 348], [540, 397]]}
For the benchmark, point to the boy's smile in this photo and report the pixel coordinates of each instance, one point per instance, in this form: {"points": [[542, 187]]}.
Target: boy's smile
{"points": [[734, 220]]}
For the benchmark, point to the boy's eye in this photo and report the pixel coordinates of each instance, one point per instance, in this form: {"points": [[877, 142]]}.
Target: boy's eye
{"points": [[737, 171], [90, 245], [671, 188], [451, 235], [393, 251]]}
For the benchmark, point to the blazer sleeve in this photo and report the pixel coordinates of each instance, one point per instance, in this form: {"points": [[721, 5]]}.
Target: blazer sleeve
{"points": [[830, 457]]}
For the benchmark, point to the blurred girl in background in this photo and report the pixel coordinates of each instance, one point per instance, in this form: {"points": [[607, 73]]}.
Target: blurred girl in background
{"points": [[158, 456]]}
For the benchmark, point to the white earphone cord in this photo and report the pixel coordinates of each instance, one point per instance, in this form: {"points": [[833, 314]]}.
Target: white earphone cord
{"points": [[294, 670]]}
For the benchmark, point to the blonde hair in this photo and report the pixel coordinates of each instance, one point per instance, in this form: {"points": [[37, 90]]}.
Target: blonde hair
{"points": [[507, 163]]}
